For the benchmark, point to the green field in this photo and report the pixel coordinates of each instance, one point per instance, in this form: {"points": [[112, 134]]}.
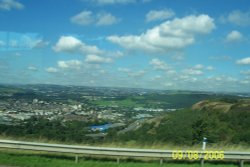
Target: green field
{"points": [[49, 160], [120, 103]]}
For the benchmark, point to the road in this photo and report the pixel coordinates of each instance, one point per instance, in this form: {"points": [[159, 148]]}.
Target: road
{"points": [[135, 125]]}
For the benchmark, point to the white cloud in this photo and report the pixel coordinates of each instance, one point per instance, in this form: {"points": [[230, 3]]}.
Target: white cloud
{"points": [[70, 64], [22, 41], [210, 68], [116, 2], [247, 72], [104, 19], [30, 42], [222, 79], [126, 70], [198, 69], [168, 84], [137, 74], [247, 82], [164, 14], [171, 72], [67, 44], [2, 44], [83, 18], [215, 78], [239, 18], [178, 56], [97, 59], [100, 19], [192, 71], [32, 68], [40, 43], [18, 54], [116, 54], [198, 66], [223, 58], [244, 61], [14, 44], [157, 77], [234, 36], [112, 2], [70, 44], [187, 78], [170, 35], [146, 1], [51, 70], [10, 4], [102, 71], [159, 65]]}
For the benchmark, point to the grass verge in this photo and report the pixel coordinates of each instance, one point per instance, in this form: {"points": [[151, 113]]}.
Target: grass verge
{"points": [[49, 160]]}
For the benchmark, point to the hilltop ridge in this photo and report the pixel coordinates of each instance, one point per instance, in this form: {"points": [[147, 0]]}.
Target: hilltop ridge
{"points": [[224, 105]]}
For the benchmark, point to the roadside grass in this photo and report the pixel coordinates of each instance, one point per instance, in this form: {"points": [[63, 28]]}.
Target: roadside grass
{"points": [[24, 159], [163, 146]]}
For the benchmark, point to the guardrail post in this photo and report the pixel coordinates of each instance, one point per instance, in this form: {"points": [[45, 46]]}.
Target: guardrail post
{"points": [[202, 162], [76, 159], [118, 160], [161, 161], [241, 163]]}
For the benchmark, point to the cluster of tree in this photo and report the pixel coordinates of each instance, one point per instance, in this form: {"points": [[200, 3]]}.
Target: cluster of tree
{"points": [[56, 130]]}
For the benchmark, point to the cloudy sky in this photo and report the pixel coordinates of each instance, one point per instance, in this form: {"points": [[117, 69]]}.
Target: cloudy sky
{"points": [[158, 44]]}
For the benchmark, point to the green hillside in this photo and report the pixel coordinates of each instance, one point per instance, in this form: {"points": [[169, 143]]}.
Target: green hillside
{"points": [[222, 121]]}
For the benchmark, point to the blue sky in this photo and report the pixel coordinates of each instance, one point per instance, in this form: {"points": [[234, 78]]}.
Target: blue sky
{"points": [[158, 44]]}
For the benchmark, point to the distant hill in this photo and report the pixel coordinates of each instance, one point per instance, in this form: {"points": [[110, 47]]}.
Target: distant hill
{"points": [[108, 96], [222, 104]]}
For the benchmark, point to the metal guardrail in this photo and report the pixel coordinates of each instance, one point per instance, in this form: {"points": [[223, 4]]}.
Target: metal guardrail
{"points": [[117, 152]]}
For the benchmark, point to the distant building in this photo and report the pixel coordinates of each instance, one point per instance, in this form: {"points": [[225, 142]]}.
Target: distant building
{"points": [[105, 127], [100, 127]]}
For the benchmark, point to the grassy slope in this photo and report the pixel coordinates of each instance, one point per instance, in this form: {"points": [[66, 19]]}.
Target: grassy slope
{"points": [[29, 160]]}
